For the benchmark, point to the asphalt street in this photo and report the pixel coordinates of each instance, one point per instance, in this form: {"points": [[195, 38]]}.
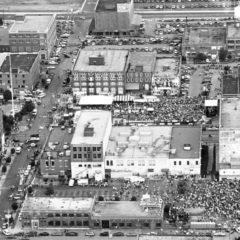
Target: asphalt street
{"points": [[38, 126]]}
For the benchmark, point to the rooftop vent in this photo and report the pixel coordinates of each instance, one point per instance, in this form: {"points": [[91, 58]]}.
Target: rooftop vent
{"points": [[97, 60], [187, 147], [88, 130]]}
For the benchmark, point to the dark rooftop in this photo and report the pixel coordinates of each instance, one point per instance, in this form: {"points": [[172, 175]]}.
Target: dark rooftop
{"points": [[4, 39], [20, 63], [230, 85], [108, 5]]}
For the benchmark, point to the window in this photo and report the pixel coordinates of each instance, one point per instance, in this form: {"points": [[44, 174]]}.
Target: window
{"points": [[121, 224], [64, 215], [52, 163], [79, 223], [74, 149], [72, 223], [85, 155], [57, 215], [85, 149], [94, 148], [89, 149], [57, 223], [79, 149], [71, 215], [187, 162], [50, 215], [94, 155], [47, 163], [79, 155], [80, 165], [98, 149], [196, 162], [74, 155], [114, 225], [99, 155], [64, 223], [85, 223], [107, 163], [96, 224], [129, 224], [158, 225], [180, 163], [50, 223], [85, 215]]}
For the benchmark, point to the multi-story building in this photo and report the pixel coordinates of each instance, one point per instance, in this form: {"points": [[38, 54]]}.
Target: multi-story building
{"points": [[139, 70], [56, 158], [42, 212], [97, 71], [229, 139], [206, 40], [89, 144], [2, 138], [185, 155], [33, 33], [150, 151], [4, 40], [115, 17], [233, 38], [25, 68]]}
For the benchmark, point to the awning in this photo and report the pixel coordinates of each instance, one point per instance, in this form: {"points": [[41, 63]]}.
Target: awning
{"points": [[95, 100], [132, 86], [123, 98], [211, 103]]}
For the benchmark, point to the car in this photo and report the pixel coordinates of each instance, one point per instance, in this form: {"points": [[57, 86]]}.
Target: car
{"points": [[118, 234], [104, 234], [19, 234], [33, 145], [42, 95], [72, 234], [131, 234], [43, 234], [57, 234], [11, 237], [90, 234], [6, 232], [31, 234], [18, 150]]}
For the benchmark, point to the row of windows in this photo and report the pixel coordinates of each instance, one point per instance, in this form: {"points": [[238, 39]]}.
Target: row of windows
{"points": [[131, 163], [68, 215], [70, 223], [26, 49], [105, 89], [105, 74], [16, 76], [138, 79], [180, 163], [23, 35], [25, 41], [87, 156], [80, 149], [99, 84], [89, 165], [51, 163]]}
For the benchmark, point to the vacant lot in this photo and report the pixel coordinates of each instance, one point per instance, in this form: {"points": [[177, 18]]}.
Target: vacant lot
{"points": [[40, 5]]}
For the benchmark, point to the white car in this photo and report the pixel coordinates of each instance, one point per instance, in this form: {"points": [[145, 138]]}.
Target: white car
{"points": [[90, 234], [6, 232], [18, 150], [42, 95]]}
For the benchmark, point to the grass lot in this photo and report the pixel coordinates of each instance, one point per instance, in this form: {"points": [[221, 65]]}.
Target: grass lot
{"points": [[38, 5]]}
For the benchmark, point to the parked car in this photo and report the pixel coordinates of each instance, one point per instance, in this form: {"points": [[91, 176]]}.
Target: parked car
{"points": [[118, 234], [43, 234], [104, 234], [131, 234], [72, 234], [90, 234], [57, 234]]}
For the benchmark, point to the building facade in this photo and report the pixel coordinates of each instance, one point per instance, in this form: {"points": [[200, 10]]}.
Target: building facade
{"points": [[139, 70], [25, 72], [4, 40], [34, 33], [100, 71], [89, 144], [233, 39]]}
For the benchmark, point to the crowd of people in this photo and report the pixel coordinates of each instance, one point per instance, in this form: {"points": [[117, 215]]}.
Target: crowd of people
{"points": [[181, 110], [219, 199]]}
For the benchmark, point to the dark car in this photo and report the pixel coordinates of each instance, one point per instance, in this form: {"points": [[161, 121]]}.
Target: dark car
{"points": [[104, 234], [31, 234], [43, 234], [19, 234], [73, 234], [57, 234], [118, 234], [131, 234]]}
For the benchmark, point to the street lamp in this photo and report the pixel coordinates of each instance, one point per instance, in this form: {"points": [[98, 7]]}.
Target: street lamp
{"points": [[11, 82]]}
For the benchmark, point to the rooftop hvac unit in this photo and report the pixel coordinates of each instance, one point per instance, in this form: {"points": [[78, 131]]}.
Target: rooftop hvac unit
{"points": [[187, 147]]}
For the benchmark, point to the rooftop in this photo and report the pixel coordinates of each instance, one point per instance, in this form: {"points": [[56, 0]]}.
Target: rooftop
{"points": [[122, 209], [58, 138], [233, 31], [108, 5], [186, 135], [229, 142], [32, 24], [140, 142], [98, 119], [141, 61], [231, 85], [169, 237], [205, 35], [166, 68], [20, 62], [41, 204], [114, 61], [95, 100], [4, 37], [230, 114]]}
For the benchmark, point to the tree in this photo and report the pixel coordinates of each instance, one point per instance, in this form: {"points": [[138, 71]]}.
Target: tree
{"points": [[30, 190], [68, 174], [1, 21], [182, 186], [18, 116], [100, 198], [222, 53], [4, 168], [7, 95], [200, 57], [133, 198], [14, 206], [13, 150], [49, 190], [8, 122], [8, 159], [28, 107]]}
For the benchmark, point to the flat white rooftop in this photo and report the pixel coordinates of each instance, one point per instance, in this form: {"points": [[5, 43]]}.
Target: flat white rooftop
{"points": [[230, 113], [32, 24], [229, 145], [98, 119], [95, 100], [41, 204], [139, 142], [114, 61]]}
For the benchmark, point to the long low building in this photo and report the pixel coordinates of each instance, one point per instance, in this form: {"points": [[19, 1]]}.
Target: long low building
{"points": [[51, 212]]}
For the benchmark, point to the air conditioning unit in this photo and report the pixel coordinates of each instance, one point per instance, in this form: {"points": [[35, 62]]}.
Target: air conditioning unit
{"points": [[187, 146]]}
